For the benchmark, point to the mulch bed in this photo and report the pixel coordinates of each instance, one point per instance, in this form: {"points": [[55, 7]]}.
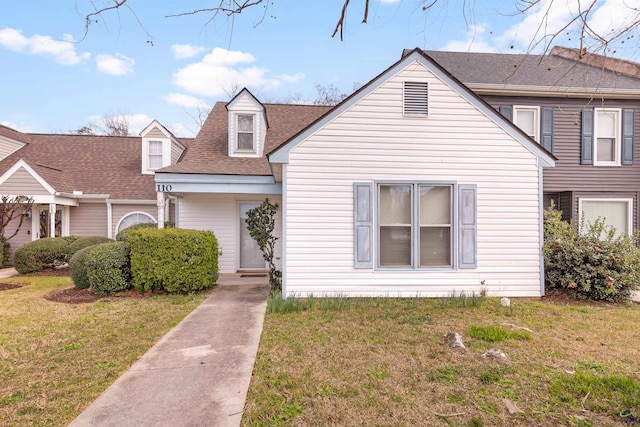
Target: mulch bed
{"points": [[73, 296], [7, 286]]}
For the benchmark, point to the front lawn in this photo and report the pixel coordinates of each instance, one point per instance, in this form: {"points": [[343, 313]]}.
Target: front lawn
{"points": [[384, 362], [56, 358]]}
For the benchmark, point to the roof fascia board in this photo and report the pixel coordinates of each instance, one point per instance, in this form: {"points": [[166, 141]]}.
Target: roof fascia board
{"points": [[185, 178], [225, 188], [553, 92], [54, 199], [23, 164], [132, 202]]}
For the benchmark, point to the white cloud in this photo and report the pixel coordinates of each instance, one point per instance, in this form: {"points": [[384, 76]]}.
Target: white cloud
{"points": [[182, 51], [291, 78], [21, 127], [115, 65], [186, 101], [221, 72], [474, 42], [182, 131], [136, 122], [63, 51]]}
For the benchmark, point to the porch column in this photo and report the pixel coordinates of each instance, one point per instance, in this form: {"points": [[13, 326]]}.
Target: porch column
{"points": [[52, 220], [161, 203]]}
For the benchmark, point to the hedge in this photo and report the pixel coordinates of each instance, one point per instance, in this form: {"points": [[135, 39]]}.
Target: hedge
{"points": [[40, 254], [123, 235], [83, 242], [173, 259], [78, 268], [107, 267]]}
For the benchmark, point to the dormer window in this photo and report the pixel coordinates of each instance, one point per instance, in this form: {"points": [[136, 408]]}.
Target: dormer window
{"points": [[246, 132], [155, 154]]}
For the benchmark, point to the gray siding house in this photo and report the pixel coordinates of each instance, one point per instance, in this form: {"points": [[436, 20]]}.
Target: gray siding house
{"points": [[582, 108]]}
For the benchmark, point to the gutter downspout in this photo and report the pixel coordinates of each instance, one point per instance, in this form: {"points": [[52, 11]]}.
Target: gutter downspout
{"points": [[109, 219]]}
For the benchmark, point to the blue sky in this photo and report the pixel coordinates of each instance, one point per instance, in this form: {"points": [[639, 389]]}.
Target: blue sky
{"points": [[139, 63]]}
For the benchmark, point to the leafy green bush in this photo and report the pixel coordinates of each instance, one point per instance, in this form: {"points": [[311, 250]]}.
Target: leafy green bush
{"points": [[593, 262], [123, 235], [173, 259], [108, 267], [83, 242], [40, 254], [6, 248], [78, 268]]}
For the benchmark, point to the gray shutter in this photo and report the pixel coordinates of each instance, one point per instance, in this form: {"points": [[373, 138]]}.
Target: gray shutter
{"points": [[546, 129], [467, 226], [507, 111], [362, 224], [627, 137], [586, 137]]}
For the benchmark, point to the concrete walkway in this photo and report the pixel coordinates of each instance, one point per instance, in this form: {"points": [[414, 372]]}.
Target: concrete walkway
{"points": [[199, 373]]}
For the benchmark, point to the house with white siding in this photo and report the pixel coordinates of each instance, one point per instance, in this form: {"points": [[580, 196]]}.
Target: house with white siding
{"points": [[85, 185], [412, 186]]}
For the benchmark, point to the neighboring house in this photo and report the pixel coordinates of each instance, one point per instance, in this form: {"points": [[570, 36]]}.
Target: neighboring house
{"points": [[412, 186], [584, 108], [85, 185]]}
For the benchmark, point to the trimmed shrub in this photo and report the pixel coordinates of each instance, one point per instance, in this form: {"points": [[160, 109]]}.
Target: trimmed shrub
{"points": [[123, 235], [108, 267], [40, 254], [6, 250], [83, 242], [173, 259], [593, 262], [78, 268]]}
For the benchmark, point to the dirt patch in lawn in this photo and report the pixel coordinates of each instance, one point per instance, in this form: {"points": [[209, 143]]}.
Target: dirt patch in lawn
{"points": [[7, 286], [73, 296]]}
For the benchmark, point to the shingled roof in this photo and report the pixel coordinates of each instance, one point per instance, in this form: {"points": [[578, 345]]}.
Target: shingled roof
{"points": [[88, 163], [208, 154], [550, 71], [13, 134]]}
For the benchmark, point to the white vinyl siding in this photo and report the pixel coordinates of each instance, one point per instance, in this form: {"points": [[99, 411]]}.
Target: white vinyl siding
{"points": [[220, 213], [176, 152], [88, 219], [372, 141]]}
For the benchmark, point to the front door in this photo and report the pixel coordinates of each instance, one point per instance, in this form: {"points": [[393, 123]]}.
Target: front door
{"points": [[44, 225], [250, 254]]}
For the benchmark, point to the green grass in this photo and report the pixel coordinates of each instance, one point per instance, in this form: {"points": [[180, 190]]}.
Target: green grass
{"points": [[384, 361], [56, 358]]}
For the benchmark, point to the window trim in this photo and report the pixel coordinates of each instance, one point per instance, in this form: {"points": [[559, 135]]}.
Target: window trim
{"points": [[537, 123], [415, 227], [149, 155], [628, 200], [617, 141], [254, 117], [155, 221]]}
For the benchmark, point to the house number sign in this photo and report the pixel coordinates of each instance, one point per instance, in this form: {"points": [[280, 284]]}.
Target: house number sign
{"points": [[163, 188]]}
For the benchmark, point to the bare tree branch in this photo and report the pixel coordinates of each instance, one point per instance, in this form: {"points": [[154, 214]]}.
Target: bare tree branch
{"points": [[13, 207]]}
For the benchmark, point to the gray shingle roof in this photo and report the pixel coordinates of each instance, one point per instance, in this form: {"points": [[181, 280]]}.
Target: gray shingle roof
{"points": [[529, 70]]}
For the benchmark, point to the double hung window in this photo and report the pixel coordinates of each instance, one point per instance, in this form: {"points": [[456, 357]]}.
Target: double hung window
{"points": [[415, 225], [245, 132]]}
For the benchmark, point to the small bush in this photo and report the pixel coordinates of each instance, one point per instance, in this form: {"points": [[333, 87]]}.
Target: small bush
{"points": [[173, 259], [593, 262], [78, 268], [108, 267], [6, 248], [123, 235], [40, 254], [83, 242]]}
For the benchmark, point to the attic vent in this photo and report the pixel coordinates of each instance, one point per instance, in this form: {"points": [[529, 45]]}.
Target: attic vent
{"points": [[416, 99]]}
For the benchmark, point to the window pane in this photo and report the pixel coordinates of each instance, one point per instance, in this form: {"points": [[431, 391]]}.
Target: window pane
{"points": [[435, 246], [155, 162], [245, 141], [395, 204], [245, 123], [435, 205], [395, 246], [526, 120], [606, 123], [606, 149], [615, 213], [155, 147]]}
